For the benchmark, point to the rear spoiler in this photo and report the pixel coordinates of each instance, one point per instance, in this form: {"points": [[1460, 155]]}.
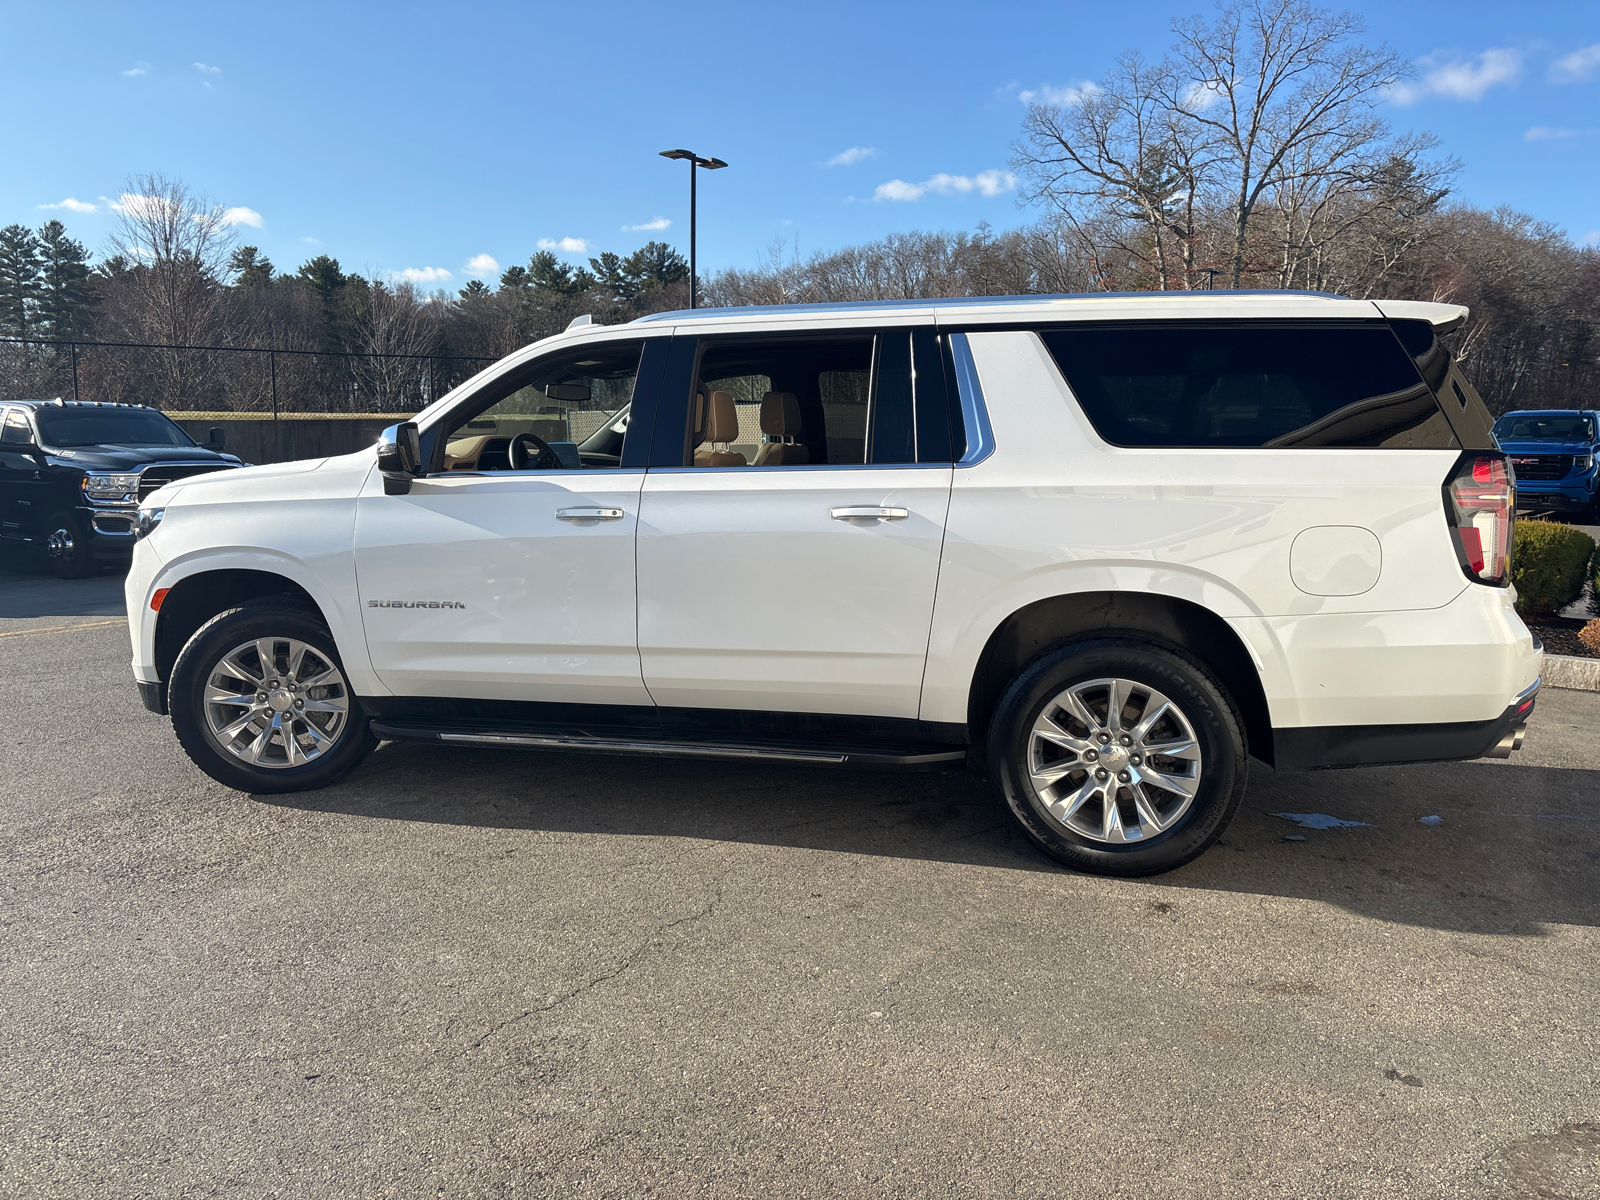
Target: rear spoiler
{"points": [[1443, 317]]}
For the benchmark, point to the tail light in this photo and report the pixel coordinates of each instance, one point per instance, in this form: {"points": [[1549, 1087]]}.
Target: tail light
{"points": [[1480, 501]]}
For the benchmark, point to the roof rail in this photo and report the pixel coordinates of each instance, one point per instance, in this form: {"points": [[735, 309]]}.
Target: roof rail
{"points": [[684, 314]]}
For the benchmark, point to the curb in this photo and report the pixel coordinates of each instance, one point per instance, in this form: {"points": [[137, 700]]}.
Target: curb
{"points": [[1567, 671]]}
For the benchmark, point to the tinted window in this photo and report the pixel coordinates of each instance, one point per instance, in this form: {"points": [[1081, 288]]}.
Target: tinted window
{"points": [[75, 425], [1200, 384], [15, 427]]}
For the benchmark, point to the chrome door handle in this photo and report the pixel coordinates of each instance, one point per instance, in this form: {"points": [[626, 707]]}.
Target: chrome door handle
{"points": [[861, 512], [588, 514]]}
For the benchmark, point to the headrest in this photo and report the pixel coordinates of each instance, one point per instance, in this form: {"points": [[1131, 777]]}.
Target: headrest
{"points": [[697, 429], [780, 414], [722, 419]]}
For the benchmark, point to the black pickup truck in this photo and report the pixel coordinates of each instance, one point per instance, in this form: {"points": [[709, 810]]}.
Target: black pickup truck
{"points": [[72, 475]]}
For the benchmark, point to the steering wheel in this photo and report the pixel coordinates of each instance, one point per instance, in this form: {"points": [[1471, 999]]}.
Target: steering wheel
{"points": [[530, 453]]}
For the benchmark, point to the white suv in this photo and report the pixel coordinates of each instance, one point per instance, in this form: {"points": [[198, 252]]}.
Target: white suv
{"points": [[1117, 545]]}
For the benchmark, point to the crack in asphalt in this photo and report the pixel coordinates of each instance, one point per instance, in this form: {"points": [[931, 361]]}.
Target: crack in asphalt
{"points": [[628, 960]]}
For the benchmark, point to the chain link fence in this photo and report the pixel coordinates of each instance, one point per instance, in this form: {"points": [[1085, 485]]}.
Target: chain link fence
{"points": [[239, 381]]}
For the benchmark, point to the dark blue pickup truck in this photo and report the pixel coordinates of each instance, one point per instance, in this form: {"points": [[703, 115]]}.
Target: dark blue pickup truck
{"points": [[1553, 451]]}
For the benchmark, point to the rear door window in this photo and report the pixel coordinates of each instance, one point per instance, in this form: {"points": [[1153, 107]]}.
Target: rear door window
{"points": [[1207, 384]]}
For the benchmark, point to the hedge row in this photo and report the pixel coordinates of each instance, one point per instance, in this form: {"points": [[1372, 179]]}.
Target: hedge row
{"points": [[1549, 564]]}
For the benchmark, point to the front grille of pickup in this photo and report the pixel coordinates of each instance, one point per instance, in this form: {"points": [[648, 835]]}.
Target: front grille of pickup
{"points": [[155, 477], [1542, 466]]}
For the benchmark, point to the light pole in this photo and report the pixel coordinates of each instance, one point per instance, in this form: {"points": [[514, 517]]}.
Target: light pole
{"points": [[710, 164]]}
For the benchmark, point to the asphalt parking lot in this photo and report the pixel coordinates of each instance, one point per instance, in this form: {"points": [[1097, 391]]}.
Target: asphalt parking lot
{"points": [[493, 974]]}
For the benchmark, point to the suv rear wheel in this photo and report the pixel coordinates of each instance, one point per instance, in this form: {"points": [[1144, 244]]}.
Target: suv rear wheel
{"points": [[1119, 756], [260, 702]]}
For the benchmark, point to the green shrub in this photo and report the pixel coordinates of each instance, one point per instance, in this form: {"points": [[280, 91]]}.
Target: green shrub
{"points": [[1549, 563]]}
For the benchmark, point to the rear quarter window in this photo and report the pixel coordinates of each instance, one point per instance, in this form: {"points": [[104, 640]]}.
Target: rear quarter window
{"points": [[1203, 384]]}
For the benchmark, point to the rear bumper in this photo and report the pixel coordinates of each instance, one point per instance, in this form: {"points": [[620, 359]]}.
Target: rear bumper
{"points": [[1316, 747]]}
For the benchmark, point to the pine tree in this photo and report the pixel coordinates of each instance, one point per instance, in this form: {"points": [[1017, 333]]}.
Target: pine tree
{"points": [[653, 265], [21, 278], [323, 276], [514, 279], [67, 287], [474, 289], [250, 267]]}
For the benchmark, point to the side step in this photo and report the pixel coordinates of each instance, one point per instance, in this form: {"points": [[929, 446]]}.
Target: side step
{"points": [[904, 757]]}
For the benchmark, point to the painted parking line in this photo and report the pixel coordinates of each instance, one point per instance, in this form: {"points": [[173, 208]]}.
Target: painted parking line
{"points": [[64, 628]]}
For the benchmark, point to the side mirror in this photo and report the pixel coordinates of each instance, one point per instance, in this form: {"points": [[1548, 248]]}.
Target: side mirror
{"points": [[399, 457], [216, 438]]}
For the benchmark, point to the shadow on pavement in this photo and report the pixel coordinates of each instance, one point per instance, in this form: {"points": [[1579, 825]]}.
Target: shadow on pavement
{"points": [[1517, 848], [28, 589]]}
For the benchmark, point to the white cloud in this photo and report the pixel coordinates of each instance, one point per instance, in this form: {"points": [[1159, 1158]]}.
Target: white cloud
{"points": [[850, 157], [138, 69], [311, 241], [1198, 97], [985, 183], [1545, 133], [420, 275], [71, 205], [1065, 97], [130, 205], [1577, 66], [1592, 238], [567, 245], [242, 216], [651, 226], [1461, 79], [201, 67], [480, 266]]}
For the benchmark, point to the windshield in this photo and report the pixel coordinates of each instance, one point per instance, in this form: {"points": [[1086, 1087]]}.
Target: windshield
{"points": [[78, 426], [1533, 427]]}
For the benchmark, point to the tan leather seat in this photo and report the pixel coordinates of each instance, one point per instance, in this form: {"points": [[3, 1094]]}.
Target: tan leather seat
{"points": [[721, 427], [780, 421]]}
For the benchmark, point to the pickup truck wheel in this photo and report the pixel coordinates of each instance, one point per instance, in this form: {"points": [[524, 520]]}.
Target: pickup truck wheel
{"points": [[66, 546], [260, 702], [1119, 756]]}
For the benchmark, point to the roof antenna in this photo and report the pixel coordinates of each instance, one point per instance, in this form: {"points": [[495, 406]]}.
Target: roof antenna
{"points": [[586, 319]]}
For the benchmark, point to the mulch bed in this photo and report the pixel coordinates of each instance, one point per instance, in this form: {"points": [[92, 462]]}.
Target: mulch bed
{"points": [[1560, 635]]}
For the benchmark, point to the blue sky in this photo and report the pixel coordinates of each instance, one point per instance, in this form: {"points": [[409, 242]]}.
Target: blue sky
{"points": [[432, 139]]}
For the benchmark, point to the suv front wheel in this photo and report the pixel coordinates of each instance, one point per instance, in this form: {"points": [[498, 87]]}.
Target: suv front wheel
{"points": [[260, 702], [1119, 756]]}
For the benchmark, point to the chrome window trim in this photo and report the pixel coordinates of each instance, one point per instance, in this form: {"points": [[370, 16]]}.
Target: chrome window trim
{"points": [[585, 472], [793, 468], [974, 412]]}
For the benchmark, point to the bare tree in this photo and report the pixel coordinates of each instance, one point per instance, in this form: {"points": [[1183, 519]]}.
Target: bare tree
{"points": [[1285, 100], [176, 243], [1120, 149], [395, 330]]}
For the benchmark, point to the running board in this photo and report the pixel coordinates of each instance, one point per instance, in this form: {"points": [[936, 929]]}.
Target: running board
{"points": [[831, 756]]}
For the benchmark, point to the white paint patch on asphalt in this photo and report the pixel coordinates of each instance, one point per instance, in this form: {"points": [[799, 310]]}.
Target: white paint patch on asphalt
{"points": [[1316, 820], [1435, 820]]}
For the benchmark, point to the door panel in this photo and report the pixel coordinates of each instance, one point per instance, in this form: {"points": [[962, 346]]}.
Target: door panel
{"points": [[549, 611], [753, 595]]}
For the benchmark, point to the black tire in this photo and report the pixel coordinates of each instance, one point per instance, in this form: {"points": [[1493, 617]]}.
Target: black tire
{"points": [[1223, 767], [66, 546], [199, 659]]}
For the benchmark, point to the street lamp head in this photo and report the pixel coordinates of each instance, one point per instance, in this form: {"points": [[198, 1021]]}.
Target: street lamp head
{"points": [[677, 154], [710, 164]]}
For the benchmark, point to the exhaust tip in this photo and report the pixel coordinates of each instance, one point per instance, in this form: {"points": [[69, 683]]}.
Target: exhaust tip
{"points": [[1511, 741]]}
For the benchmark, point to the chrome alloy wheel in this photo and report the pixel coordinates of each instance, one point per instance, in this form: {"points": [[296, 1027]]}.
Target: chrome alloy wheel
{"points": [[1113, 760], [60, 544], [275, 702]]}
